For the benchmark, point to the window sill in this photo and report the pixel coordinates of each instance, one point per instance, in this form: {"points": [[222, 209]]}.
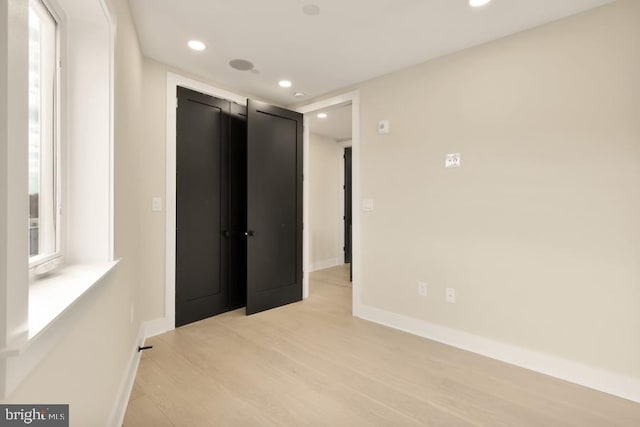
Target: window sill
{"points": [[53, 303], [50, 296]]}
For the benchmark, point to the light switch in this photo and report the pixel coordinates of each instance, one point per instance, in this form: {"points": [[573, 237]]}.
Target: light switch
{"points": [[367, 205], [384, 127], [156, 204]]}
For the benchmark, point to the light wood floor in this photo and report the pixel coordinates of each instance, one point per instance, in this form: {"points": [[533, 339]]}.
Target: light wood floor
{"points": [[312, 364]]}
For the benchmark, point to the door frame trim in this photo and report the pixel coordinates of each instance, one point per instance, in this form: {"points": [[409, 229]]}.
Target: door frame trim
{"points": [[173, 81], [354, 99]]}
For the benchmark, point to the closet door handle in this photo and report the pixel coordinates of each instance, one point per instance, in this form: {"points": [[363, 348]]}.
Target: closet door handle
{"points": [[249, 233], [226, 233]]}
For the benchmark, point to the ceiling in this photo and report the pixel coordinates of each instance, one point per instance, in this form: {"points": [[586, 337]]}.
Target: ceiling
{"points": [[349, 41], [337, 124]]}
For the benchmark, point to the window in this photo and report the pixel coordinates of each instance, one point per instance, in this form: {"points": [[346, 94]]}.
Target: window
{"points": [[44, 165], [48, 161]]}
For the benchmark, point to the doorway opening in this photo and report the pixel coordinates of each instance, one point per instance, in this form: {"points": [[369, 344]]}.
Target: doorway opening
{"points": [[332, 150], [330, 189]]}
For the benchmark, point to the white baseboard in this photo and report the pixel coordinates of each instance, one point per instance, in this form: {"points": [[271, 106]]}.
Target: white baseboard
{"points": [[321, 265], [564, 369], [157, 327], [147, 330], [120, 407]]}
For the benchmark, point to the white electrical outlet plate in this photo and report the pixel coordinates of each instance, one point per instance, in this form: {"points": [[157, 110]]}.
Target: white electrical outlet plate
{"points": [[422, 289], [367, 205], [453, 160], [451, 295]]}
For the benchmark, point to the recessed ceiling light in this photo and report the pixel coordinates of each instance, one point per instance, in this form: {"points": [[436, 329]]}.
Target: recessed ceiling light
{"points": [[311, 9], [478, 3], [196, 45], [322, 115], [299, 94], [241, 64], [284, 83]]}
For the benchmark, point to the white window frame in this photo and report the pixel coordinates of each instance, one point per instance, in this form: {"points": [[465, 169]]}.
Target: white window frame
{"points": [[38, 312], [42, 264]]}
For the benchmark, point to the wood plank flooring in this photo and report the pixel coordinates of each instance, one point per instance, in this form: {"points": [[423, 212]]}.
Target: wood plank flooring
{"points": [[312, 364]]}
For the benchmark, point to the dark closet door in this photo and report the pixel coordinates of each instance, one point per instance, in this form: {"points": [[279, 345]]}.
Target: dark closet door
{"points": [[274, 206], [202, 209]]}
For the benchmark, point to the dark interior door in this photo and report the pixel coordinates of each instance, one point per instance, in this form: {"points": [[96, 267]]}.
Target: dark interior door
{"points": [[202, 210], [347, 205], [274, 207]]}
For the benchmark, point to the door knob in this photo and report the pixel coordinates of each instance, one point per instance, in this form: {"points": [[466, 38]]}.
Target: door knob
{"points": [[249, 233]]}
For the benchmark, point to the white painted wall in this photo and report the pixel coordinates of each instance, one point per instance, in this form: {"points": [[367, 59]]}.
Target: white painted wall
{"points": [[538, 231], [325, 194], [88, 61]]}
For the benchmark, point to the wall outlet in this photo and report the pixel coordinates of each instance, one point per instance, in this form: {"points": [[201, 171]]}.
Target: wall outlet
{"points": [[451, 295], [453, 160], [422, 289]]}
